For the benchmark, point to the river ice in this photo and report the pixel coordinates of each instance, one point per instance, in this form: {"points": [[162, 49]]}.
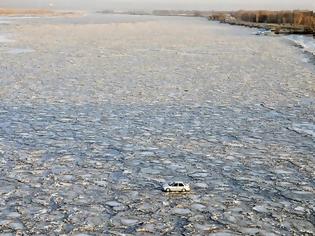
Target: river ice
{"points": [[100, 115]]}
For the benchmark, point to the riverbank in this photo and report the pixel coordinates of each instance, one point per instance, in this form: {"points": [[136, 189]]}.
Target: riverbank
{"points": [[280, 22]]}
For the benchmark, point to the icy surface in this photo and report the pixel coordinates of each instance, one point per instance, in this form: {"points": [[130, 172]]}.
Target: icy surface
{"points": [[20, 50], [306, 42], [4, 39], [305, 128]]}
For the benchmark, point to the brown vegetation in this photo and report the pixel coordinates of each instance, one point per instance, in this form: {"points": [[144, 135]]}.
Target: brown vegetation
{"points": [[31, 12], [298, 19]]}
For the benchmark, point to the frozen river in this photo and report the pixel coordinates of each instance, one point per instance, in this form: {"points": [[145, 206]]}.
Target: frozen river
{"points": [[97, 113]]}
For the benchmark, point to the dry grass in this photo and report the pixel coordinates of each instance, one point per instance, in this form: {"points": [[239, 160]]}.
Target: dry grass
{"points": [[304, 19], [33, 12], [296, 18]]}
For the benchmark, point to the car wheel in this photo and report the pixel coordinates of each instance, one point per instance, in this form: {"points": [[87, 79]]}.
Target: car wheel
{"points": [[183, 190]]}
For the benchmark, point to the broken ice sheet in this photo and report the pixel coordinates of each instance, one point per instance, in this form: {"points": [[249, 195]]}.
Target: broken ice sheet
{"points": [[304, 128], [20, 50], [4, 39]]}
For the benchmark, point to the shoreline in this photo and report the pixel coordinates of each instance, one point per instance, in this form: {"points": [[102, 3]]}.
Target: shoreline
{"points": [[279, 22], [276, 28]]}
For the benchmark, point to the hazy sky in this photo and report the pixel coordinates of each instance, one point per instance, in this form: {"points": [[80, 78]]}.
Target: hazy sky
{"points": [[163, 4]]}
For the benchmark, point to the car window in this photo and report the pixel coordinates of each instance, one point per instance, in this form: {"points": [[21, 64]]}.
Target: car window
{"points": [[176, 185], [181, 185]]}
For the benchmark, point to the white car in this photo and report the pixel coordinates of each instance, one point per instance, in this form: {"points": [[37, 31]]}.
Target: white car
{"points": [[176, 186]]}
